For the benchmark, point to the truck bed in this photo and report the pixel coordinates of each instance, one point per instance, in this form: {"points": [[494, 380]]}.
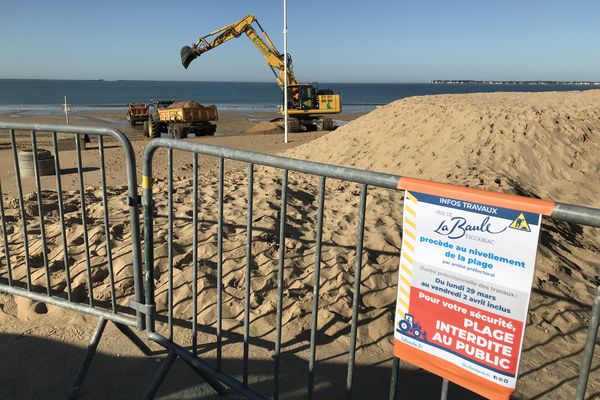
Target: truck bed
{"points": [[188, 111]]}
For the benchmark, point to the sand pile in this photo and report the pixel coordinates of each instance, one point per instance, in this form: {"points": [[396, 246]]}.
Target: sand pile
{"points": [[263, 128], [185, 104], [543, 143], [535, 144]]}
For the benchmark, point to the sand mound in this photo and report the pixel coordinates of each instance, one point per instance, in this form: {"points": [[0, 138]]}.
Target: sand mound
{"points": [[263, 128], [185, 104], [543, 144], [536, 144], [540, 143]]}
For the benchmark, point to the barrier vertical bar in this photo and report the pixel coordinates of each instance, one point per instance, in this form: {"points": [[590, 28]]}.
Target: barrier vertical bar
{"points": [[170, 241], [316, 287], [134, 220], [109, 258], [356, 298], [61, 214], [444, 391], [38, 187], [148, 247], [248, 272], [84, 220], [195, 260], [21, 207], [5, 238], [588, 351], [220, 263], [280, 269]]}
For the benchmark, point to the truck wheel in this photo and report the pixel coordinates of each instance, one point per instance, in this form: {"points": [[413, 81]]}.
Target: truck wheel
{"points": [[131, 120], [154, 129], [150, 133], [207, 129], [145, 129], [179, 132], [212, 129]]}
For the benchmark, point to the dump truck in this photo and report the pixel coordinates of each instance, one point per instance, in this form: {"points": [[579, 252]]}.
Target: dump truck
{"points": [[137, 112], [309, 107], [178, 119]]}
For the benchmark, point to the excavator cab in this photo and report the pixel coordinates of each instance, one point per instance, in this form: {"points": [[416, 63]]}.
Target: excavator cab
{"points": [[301, 97]]}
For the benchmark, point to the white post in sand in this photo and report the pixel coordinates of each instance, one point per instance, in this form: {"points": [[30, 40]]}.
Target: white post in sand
{"points": [[66, 110], [285, 79], [66, 141]]}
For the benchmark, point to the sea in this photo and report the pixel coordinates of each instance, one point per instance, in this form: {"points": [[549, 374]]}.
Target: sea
{"points": [[46, 97]]}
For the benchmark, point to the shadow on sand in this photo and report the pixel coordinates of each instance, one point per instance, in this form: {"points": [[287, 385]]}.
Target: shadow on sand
{"points": [[39, 368]]}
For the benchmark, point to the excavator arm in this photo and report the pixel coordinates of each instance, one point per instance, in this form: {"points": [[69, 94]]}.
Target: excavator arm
{"points": [[306, 102], [245, 26]]}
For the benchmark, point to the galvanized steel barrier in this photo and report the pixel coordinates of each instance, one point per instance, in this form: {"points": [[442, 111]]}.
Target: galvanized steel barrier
{"points": [[215, 375], [57, 288]]}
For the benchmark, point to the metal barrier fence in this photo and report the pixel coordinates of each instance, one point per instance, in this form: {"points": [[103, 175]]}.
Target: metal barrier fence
{"points": [[69, 277], [215, 375], [46, 276]]}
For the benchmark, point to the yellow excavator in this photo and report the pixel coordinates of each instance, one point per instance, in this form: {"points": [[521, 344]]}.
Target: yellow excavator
{"points": [[308, 106]]}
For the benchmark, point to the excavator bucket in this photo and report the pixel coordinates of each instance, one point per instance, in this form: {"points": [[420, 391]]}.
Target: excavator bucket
{"points": [[188, 55]]}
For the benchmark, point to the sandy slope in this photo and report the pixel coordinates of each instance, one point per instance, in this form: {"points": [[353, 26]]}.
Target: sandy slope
{"points": [[536, 144], [544, 143]]}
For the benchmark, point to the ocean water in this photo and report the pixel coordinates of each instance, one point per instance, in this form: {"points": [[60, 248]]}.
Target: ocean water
{"points": [[28, 96]]}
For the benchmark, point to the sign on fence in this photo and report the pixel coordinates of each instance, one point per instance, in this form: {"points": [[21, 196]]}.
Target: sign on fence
{"points": [[465, 275]]}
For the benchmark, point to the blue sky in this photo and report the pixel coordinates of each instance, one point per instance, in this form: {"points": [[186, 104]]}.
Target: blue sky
{"points": [[330, 41]]}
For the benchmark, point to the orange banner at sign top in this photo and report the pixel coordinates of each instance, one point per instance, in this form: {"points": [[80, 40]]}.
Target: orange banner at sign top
{"points": [[504, 200]]}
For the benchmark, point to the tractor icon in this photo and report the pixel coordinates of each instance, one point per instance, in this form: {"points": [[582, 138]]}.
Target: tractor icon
{"points": [[408, 326]]}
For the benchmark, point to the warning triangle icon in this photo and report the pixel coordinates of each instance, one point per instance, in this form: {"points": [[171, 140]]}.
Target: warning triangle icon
{"points": [[520, 224]]}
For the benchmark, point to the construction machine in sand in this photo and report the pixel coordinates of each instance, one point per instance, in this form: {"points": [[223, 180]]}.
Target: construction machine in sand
{"points": [[309, 107], [178, 119]]}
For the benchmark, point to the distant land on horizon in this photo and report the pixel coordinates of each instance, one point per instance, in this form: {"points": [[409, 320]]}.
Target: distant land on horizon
{"points": [[434, 81], [474, 82]]}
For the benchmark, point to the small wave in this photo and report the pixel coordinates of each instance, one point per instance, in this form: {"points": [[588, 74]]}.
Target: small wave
{"points": [[44, 109], [248, 107], [339, 122]]}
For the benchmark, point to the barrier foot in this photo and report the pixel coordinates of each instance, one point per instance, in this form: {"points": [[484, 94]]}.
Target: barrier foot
{"points": [[215, 384], [590, 344], [394, 379], [214, 378], [165, 366], [87, 359], [195, 363], [135, 339]]}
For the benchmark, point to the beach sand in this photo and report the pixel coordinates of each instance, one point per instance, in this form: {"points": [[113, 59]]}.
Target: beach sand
{"points": [[538, 144]]}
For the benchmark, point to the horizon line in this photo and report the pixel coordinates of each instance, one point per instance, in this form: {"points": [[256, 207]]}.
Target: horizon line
{"points": [[428, 82], [179, 80]]}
